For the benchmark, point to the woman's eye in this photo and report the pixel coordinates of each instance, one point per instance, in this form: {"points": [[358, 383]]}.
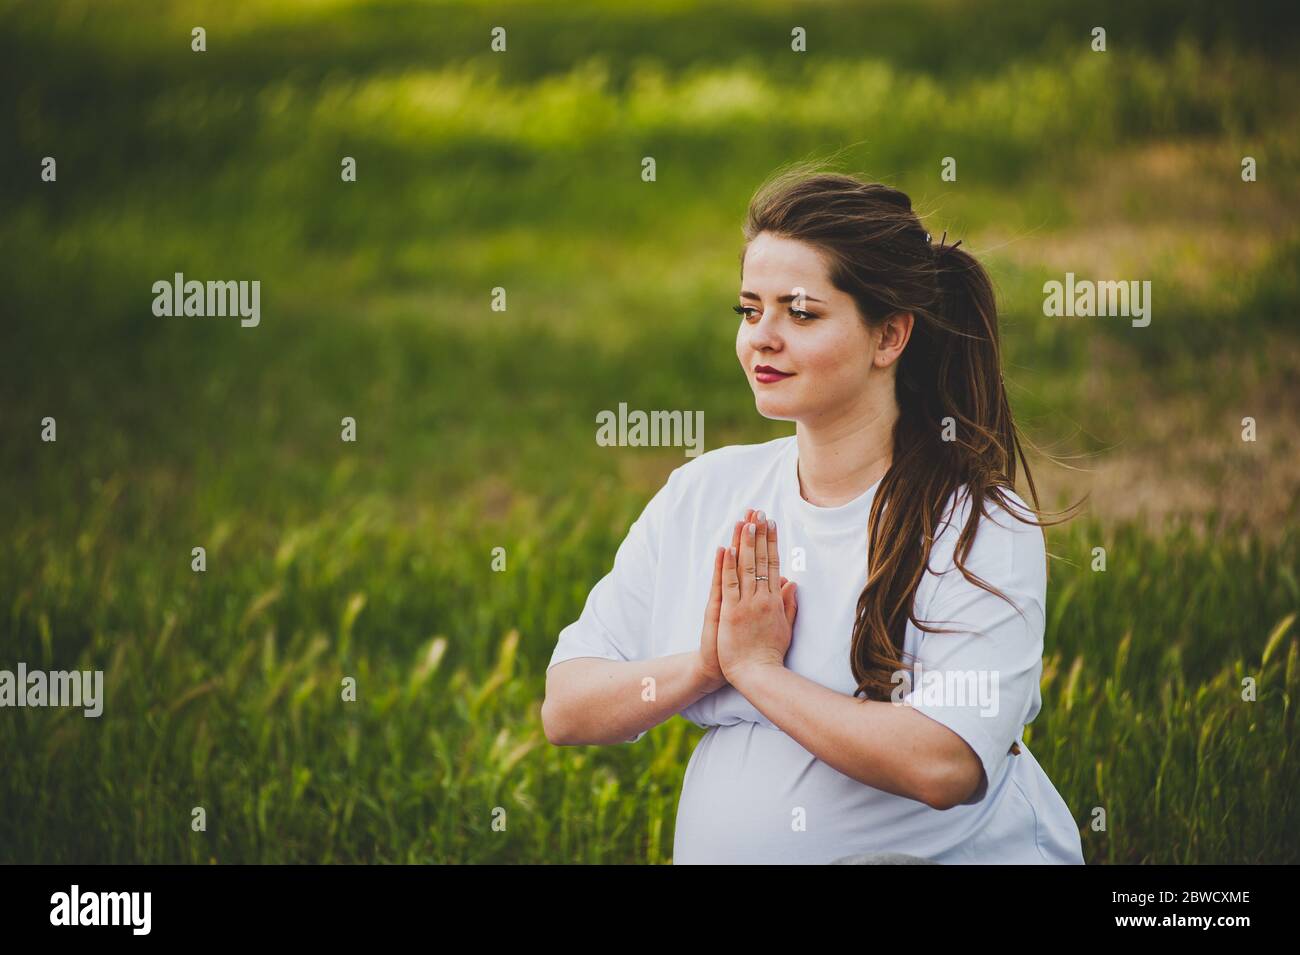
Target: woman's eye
{"points": [[744, 310]]}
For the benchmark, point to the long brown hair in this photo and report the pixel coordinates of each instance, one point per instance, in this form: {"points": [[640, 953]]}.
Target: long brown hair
{"points": [[949, 374]]}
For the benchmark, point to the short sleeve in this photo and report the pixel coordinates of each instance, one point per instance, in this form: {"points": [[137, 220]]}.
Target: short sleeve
{"points": [[615, 620], [982, 681]]}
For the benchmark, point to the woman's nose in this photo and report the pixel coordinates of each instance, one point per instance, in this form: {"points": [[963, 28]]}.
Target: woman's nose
{"points": [[763, 331]]}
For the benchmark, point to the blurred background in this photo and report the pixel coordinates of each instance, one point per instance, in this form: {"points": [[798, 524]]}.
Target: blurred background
{"points": [[475, 428]]}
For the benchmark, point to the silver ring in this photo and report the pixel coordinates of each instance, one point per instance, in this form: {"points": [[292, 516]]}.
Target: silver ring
{"points": [[764, 577]]}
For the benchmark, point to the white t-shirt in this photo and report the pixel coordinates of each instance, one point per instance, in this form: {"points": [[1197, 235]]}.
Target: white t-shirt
{"points": [[751, 793]]}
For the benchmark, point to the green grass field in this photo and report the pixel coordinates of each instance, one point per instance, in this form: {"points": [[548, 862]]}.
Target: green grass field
{"points": [[476, 427]]}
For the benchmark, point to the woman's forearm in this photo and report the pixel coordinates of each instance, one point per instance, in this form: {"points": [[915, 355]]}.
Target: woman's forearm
{"points": [[591, 701], [882, 744]]}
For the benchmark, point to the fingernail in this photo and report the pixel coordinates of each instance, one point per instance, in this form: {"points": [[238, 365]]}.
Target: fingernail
{"points": [[760, 517], [750, 529], [732, 551], [771, 525]]}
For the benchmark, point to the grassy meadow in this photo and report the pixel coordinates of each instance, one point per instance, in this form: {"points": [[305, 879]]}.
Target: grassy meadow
{"points": [[475, 427]]}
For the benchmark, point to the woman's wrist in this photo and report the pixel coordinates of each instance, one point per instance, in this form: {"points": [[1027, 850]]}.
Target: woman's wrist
{"points": [[738, 672], [703, 678]]}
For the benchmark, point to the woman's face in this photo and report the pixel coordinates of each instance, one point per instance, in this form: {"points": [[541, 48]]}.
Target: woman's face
{"points": [[817, 337]]}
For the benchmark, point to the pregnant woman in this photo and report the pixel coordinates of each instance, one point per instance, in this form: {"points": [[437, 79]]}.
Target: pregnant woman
{"points": [[872, 589]]}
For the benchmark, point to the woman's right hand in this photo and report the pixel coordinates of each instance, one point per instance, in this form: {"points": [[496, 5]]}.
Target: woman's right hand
{"points": [[710, 668]]}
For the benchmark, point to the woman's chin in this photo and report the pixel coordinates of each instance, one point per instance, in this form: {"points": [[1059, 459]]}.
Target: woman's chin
{"points": [[776, 410]]}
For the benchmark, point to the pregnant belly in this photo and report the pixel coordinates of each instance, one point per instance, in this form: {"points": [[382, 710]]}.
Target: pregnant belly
{"points": [[752, 795]]}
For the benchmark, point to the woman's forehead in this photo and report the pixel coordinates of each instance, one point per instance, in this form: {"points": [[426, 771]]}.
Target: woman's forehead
{"points": [[776, 265]]}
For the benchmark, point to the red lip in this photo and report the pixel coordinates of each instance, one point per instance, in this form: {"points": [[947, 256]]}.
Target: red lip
{"points": [[767, 375]]}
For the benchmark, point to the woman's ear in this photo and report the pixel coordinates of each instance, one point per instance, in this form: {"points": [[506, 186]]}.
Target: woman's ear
{"points": [[895, 331]]}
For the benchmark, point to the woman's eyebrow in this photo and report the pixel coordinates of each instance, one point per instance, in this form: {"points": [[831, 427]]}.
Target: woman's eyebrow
{"points": [[779, 298]]}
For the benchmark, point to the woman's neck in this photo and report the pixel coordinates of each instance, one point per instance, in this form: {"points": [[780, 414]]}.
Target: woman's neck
{"points": [[837, 465]]}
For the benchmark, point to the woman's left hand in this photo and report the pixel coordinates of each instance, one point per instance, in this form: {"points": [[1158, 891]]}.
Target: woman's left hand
{"points": [[757, 617]]}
